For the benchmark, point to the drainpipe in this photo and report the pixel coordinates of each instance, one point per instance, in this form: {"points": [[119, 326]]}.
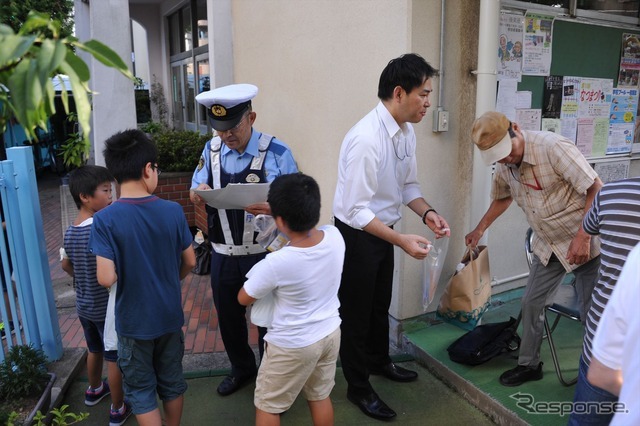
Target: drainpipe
{"points": [[487, 84], [441, 65]]}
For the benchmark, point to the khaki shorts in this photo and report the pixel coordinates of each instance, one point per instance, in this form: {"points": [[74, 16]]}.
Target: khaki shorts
{"points": [[285, 372]]}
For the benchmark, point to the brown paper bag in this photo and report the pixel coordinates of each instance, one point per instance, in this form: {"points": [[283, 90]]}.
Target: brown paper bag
{"points": [[468, 292]]}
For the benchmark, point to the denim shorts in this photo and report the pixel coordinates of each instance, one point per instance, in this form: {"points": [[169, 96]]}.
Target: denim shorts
{"points": [[94, 335], [150, 366]]}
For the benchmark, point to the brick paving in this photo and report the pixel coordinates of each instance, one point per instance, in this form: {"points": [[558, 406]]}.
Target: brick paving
{"points": [[201, 321]]}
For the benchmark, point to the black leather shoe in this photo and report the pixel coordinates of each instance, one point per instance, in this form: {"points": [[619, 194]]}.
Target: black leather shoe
{"points": [[230, 384], [394, 372], [520, 375], [372, 406]]}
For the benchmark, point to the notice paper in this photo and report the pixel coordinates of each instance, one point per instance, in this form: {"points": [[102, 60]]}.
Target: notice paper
{"points": [[235, 195]]}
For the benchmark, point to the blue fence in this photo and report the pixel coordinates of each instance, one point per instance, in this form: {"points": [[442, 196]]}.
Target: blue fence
{"points": [[29, 303]]}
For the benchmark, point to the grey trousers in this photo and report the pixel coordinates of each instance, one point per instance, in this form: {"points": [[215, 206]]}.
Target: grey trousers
{"points": [[541, 287]]}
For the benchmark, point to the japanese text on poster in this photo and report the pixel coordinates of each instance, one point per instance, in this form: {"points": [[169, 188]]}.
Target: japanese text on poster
{"points": [[510, 47], [537, 44]]}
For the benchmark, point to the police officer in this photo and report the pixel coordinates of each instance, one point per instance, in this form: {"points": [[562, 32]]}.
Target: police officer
{"points": [[238, 154]]}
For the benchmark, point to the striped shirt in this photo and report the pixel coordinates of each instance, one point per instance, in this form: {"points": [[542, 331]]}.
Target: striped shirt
{"points": [[615, 216], [550, 186], [91, 297]]}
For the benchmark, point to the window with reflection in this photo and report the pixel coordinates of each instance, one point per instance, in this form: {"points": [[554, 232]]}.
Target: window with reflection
{"points": [[187, 28], [204, 84], [203, 24]]}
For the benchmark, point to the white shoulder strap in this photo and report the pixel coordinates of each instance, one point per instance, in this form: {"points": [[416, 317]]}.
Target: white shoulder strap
{"points": [[263, 146], [215, 145]]}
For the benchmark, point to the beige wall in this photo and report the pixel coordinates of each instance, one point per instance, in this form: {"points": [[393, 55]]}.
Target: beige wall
{"points": [[317, 68]]}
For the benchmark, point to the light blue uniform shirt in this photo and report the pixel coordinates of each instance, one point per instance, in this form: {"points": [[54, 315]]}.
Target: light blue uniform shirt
{"points": [[279, 160]]}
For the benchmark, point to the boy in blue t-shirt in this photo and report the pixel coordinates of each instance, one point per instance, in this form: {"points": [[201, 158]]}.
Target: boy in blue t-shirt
{"points": [[90, 187], [144, 243]]}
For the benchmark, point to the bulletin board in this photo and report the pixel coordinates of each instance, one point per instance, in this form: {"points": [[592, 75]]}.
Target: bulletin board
{"points": [[580, 49]]}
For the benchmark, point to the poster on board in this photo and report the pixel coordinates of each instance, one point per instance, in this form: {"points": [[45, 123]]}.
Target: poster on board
{"points": [[622, 117], [528, 119], [569, 108], [612, 171], [536, 58], [552, 96], [629, 61], [593, 116], [510, 47]]}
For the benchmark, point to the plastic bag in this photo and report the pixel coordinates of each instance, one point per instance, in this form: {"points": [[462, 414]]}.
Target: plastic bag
{"points": [[432, 269], [268, 235], [262, 311]]}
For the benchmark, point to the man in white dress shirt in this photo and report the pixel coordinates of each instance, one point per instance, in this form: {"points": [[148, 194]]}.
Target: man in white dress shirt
{"points": [[377, 175]]}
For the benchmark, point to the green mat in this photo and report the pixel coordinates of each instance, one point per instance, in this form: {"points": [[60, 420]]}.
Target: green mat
{"points": [[543, 396]]}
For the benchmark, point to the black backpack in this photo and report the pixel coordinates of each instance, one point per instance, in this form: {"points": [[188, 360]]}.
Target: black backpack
{"points": [[485, 342]]}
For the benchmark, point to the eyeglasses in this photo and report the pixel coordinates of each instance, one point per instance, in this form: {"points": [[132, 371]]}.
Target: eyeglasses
{"points": [[236, 127], [157, 169]]}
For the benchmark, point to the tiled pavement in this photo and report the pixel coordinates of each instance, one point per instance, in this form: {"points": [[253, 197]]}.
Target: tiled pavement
{"points": [[201, 321]]}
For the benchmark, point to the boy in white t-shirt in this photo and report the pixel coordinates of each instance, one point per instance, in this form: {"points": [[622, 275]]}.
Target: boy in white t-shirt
{"points": [[303, 340]]}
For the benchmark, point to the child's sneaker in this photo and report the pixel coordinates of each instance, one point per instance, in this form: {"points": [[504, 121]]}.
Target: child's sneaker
{"points": [[92, 397], [116, 418]]}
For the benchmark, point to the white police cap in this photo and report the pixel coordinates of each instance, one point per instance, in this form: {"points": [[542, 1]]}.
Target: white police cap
{"points": [[226, 105]]}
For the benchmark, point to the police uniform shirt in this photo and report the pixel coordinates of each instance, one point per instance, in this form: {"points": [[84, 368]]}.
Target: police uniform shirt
{"points": [[233, 162]]}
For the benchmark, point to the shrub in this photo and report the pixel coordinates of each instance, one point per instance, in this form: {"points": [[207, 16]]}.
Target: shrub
{"points": [[143, 106], [23, 373], [179, 151]]}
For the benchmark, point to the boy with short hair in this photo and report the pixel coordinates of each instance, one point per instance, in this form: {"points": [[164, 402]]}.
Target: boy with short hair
{"points": [[90, 187], [144, 243], [303, 339]]}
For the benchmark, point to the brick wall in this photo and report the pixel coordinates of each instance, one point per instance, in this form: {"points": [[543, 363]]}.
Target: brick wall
{"points": [[175, 187]]}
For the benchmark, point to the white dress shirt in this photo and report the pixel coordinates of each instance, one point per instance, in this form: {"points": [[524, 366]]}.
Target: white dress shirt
{"points": [[377, 171]]}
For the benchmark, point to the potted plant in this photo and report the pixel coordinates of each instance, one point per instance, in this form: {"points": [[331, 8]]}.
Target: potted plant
{"points": [[25, 384]]}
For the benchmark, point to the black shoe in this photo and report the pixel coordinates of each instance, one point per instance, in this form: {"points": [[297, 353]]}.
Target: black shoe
{"points": [[230, 384], [394, 372], [520, 375], [372, 406]]}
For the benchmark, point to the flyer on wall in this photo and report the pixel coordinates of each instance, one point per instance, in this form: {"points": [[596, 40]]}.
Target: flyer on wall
{"points": [[510, 47], [624, 106], [629, 61], [537, 44]]}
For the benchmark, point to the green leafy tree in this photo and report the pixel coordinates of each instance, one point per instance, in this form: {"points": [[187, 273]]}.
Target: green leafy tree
{"points": [[14, 13], [30, 58]]}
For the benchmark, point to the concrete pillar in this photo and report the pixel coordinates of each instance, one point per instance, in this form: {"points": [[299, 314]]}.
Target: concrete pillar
{"points": [[113, 101], [220, 42]]}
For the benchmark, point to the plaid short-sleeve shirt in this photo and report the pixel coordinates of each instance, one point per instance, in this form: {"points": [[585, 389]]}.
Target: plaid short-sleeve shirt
{"points": [[550, 186]]}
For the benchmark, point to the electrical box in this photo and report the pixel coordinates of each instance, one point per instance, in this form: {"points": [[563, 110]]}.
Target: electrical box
{"points": [[440, 120]]}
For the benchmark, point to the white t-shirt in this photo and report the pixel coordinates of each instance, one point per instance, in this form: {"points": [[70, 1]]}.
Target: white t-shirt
{"points": [[617, 340], [305, 283]]}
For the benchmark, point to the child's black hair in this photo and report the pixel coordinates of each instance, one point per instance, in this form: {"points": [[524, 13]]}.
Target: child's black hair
{"points": [[296, 199], [86, 179], [127, 153]]}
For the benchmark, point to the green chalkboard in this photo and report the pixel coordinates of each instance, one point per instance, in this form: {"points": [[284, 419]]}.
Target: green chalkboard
{"points": [[582, 50]]}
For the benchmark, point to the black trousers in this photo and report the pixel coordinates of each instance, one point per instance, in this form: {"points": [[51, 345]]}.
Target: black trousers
{"points": [[365, 296], [228, 274]]}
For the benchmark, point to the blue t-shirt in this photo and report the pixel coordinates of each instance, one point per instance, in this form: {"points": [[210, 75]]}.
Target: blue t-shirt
{"points": [[145, 238]]}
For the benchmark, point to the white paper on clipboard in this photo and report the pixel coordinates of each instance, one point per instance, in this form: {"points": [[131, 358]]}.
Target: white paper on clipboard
{"points": [[235, 195]]}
